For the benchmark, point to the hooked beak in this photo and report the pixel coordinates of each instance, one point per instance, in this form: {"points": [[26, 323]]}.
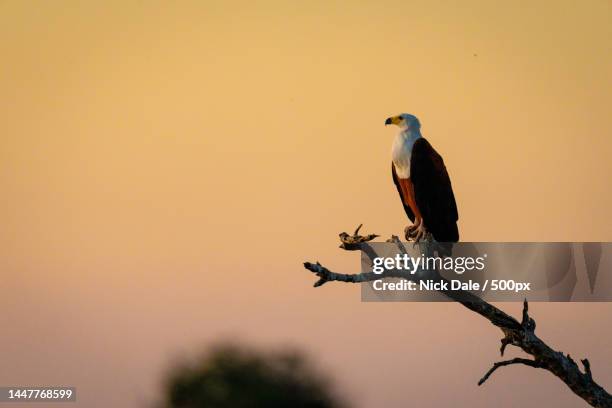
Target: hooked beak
{"points": [[389, 121]]}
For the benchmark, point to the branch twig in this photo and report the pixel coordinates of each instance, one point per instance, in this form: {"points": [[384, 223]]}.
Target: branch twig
{"points": [[353, 242], [518, 360]]}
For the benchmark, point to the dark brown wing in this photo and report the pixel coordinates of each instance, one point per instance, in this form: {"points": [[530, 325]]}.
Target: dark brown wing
{"points": [[433, 192], [399, 190]]}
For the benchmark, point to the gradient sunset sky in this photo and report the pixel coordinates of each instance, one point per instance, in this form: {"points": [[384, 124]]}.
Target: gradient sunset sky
{"points": [[166, 167]]}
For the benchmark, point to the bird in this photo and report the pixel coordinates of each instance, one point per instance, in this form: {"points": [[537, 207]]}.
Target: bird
{"points": [[423, 184]]}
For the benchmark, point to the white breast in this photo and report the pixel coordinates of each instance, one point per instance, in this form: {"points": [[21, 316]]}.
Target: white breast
{"points": [[401, 152]]}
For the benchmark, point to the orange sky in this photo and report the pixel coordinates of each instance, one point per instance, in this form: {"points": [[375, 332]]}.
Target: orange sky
{"points": [[166, 167]]}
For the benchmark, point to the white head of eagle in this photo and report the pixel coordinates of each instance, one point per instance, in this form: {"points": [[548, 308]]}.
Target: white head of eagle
{"points": [[405, 121], [422, 182]]}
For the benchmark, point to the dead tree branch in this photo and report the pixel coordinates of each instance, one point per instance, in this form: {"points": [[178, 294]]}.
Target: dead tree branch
{"points": [[518, 360], [520, 334]]}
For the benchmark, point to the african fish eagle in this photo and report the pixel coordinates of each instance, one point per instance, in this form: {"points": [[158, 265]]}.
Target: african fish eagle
{"points": [[423, 184]]}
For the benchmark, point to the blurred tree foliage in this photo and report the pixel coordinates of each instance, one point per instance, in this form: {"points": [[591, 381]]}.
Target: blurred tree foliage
{"points": [[233, 376]]}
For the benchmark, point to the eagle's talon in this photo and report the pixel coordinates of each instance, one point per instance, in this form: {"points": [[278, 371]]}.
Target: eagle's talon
{"points": [[408, 232], [420, 233], [411, 230], [416, 231]]}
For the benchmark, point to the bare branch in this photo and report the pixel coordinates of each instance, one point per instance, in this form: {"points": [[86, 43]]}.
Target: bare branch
{"points": [[587, 368], [520, 334], [326, 275], [395, 239], [518, 360], [527, 322], [353, 242]]}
